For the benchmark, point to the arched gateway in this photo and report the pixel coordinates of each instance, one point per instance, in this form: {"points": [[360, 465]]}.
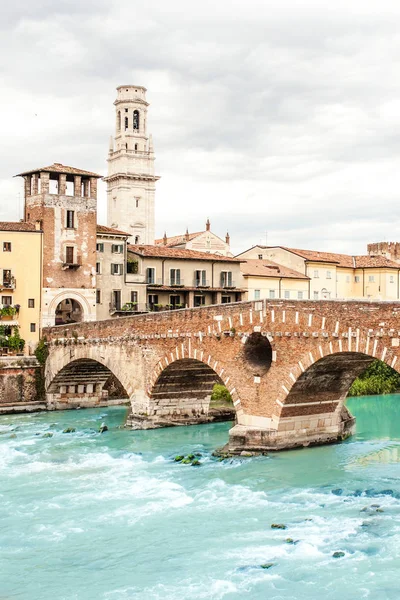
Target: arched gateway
{"points": [[287, 364]]}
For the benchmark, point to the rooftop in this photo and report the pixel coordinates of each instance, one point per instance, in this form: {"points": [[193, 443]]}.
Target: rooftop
{"points": [[339, 260], [111, 231], [175, 240], [17, 226], [59, 168], [267, 268], [181, 253]]}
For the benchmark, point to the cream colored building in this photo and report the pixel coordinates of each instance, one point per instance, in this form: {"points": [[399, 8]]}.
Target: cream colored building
{"points": [[333, 275], [21, 281], [131, 177], [266, 279], [202, 241], [178, 278]]}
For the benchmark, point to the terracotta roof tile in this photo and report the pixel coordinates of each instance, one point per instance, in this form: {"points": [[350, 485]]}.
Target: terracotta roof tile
{"points": [[59, 168], [166, 252], [176, 240], [267, 268], [111, 231], [343, 260], [17, 226]]}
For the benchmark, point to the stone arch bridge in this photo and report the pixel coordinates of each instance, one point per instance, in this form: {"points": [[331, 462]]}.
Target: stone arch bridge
{"points": [[287, 364]]}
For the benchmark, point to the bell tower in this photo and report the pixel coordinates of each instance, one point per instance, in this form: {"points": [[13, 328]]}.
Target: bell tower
{"points": [[131, 182]]}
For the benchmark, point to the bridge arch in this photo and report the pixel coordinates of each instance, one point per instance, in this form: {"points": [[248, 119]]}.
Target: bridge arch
{"points": [[181, 389], [311, 400]]}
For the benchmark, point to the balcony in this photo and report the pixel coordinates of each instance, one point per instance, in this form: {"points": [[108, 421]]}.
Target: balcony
{"points": [[129, 308], [174, 282], [228, 285], [8, 284], [201, 283], [72, 263], [153, 281], [164, 307]]}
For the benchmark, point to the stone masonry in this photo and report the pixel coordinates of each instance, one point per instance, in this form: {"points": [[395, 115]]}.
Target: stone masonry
{"points": [[287, 364]]}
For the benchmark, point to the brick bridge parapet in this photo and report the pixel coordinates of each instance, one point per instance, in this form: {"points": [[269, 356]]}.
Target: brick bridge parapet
{"points": [[288, 364]]}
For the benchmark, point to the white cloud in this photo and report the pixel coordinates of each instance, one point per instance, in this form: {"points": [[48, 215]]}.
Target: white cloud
{"points": [[265, 116]]}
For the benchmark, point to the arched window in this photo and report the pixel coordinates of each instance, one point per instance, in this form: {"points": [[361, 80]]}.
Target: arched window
{"points": [[136, 147], [119, 121], [135, 119], [126, 123], [137, 239]]}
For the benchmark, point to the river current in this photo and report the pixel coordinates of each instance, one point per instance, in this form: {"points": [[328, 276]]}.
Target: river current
{"points": [[111, 516]]}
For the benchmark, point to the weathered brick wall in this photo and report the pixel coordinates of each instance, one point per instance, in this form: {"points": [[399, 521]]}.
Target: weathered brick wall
{"points": [[139, 348], [18, 381]]}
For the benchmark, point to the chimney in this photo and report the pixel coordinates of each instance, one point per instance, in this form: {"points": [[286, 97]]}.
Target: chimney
{"points": [[187, 234], [165, 239], [227, 238], [208, 224]]}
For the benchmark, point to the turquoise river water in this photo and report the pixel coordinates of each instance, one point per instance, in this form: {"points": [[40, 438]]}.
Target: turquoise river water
{"points": [[111, 516]]}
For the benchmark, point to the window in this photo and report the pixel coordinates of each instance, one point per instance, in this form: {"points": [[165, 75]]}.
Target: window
{"points": [[371, 278], [119, 121], [6, 246], [100, 247], [299, 295], [316, 275], [272, 294], [226, 299], [150, 275], [287, 294], [132, 266], [257, 294], [315, 295], [347, 278], [31, 303], [137, 239], [134, 296], [199, 300], [392, 279], [98, 268], [357, 279], [6, 300], [70, 219], [126, 123], [328, 275], [175, 301], [116, 299], [226, 279], [98, 296], [116, 269], [7, 278], [33, 327], [174, 276], [117, 248], [136, 147], [135, 119], [200, 278], [137, 199], [152, 300], [69, 255], [260, 257]]}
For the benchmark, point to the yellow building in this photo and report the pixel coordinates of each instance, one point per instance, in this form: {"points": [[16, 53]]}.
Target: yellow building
{"points": [[20, 286], [266, 279], [333, 275]]}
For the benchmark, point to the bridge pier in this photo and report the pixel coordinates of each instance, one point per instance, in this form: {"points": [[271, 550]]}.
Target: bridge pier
{"points": [[292, 432]]}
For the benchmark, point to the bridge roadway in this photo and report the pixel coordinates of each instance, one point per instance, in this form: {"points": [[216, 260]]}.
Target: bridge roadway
{"points": [[287, 364]]}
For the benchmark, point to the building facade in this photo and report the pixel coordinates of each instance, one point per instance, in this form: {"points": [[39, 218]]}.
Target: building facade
{"points": [[20, 285], [266, 279], [202, 241], [62, 201], [131, 178], [179, 278], [332, 275]]}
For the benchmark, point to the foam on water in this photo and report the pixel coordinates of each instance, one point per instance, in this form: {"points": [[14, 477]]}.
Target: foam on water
{"points": [[89, 516]]}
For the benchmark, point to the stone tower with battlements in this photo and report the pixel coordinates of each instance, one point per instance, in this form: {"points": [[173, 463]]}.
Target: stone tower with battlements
{"points": [[131, 179]]}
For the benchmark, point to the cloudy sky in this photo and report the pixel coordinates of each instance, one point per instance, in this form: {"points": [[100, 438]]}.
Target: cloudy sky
{"points": [[279, 117]]}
